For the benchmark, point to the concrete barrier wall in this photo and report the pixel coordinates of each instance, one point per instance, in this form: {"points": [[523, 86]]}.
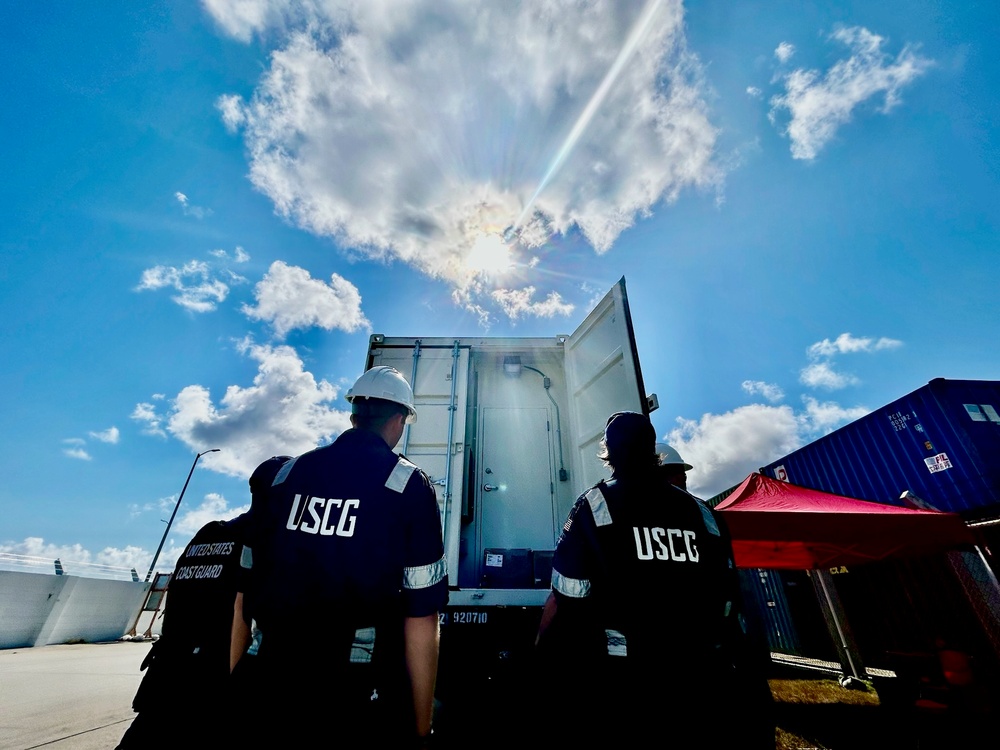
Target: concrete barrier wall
{"points": [[26, 599], [38, 609]]}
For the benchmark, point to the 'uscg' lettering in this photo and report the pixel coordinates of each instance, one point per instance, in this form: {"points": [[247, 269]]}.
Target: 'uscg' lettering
{"points": [[321, 517], [677, 545]]}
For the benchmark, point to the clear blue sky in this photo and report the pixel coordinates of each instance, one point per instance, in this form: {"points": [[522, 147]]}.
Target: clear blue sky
{"points": [[209, 207]]}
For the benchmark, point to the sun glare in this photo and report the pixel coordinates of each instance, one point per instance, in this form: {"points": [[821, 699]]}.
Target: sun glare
{"points": [[489, 254]]}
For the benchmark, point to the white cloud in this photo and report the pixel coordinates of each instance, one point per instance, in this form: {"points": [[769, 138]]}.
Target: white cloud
{"points": [[77, 560], [197, 212], [239, 254], [146, 415], [845, 343], [725, 448], [411, 130], [770, 391], [77, 446], [827, 416], [76, 449], [243, 19], [164, 505], [35, 554], [822, 375], [200, 296], [289, 298], [784, 51], [230, 107], [213, 508], [819, 105], [517, 302], [285, 411], [755, 92], [109, 435]]}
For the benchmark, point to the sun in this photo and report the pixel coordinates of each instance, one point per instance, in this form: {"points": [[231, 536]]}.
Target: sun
{"points": [[489, 254]]}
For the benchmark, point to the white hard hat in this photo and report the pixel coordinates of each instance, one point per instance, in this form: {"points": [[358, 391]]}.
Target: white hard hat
{"points": [[670, 457], [388, 384]]}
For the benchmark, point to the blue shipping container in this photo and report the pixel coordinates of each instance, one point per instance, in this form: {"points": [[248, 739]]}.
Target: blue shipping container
{"points": [[940, 442]]}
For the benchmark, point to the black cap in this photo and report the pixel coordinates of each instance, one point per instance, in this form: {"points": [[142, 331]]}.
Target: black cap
{"points": [[629, 433], [264, 474]]}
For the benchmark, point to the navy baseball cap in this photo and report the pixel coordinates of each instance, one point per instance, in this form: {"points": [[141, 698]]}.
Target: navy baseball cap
{"points": [[629, 432]]}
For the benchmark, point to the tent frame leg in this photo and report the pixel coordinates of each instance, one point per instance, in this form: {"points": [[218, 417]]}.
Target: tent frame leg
{"points": [[835, 613]]}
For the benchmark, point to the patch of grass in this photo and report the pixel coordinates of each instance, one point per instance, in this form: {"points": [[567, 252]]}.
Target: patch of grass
{"points": [[822, 715], [820, 691], [787, 741]]}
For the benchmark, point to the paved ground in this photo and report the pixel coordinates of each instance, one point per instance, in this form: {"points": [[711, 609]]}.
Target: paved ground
{"points": [[74, 696], [80, 697]]}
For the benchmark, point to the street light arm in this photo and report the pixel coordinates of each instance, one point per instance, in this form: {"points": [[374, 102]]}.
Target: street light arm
{"points": [[156, 555]]}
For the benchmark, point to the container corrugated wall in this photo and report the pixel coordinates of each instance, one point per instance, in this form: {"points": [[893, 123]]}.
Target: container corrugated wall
{"points": [[940, 442], [767, 610]]}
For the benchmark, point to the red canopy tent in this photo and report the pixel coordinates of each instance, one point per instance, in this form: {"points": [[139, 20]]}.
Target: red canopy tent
{"points": [[781, 525]]}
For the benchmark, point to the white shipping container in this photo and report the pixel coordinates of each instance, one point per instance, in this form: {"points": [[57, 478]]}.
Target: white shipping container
{"points": [[508, 430]]}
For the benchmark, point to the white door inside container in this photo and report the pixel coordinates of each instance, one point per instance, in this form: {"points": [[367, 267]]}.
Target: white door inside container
{"points": [[514, 495]]}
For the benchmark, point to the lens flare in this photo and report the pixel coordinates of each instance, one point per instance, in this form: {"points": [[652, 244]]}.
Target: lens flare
{"points": [[596, 100]]}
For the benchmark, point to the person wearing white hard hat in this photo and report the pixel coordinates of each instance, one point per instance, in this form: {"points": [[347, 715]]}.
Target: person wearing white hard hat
{"points": [[351, 544], [674, 468]]}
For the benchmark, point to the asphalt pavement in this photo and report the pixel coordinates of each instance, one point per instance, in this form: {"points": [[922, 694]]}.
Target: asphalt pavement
{"points": [[71, 696]]}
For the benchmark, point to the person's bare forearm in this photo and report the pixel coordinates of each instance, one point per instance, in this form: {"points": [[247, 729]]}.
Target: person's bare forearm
{"points": [[240, 639], [422, 640], [548, 615]]}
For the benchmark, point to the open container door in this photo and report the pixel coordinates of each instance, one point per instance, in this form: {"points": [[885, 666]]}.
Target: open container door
{"points": [[602, 371]]}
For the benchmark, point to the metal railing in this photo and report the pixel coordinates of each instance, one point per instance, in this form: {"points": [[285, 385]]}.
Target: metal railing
{"points": [[37, 564]]}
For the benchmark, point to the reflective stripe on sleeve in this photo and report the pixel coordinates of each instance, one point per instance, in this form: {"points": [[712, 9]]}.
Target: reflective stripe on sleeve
{"points": [[400, 475], [283, 472], [425, 576], [709, 519], [363, 646], [575, 588], [617, 645], [598, 507]]}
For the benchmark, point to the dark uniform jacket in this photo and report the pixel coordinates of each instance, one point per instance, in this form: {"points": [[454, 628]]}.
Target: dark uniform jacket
{"points": [[183, 697], [653, 564], [649, 606], [351, 541], [198, 615]]}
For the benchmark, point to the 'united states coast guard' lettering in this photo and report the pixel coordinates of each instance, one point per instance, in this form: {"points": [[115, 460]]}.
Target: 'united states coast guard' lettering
{"points": [[200, 550], [679, 546], [198, 571], [322, 519]]}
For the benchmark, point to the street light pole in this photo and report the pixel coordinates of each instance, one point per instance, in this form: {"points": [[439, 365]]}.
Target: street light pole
{"points": [[166, 531]]}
